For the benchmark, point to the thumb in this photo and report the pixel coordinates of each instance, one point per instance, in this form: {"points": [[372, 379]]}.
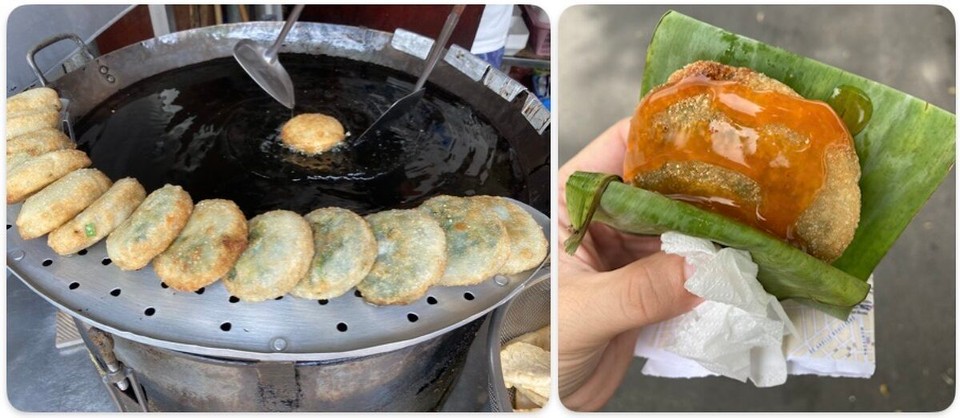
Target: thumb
{"points": [[646, 291]]}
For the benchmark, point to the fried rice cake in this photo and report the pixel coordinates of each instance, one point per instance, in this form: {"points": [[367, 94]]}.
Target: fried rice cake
{"points": [[33, 174], [207, 247], [277, 257], [477, 244], [312, 133], [411, 256], [528, 244], [33, 121], [345, 250], [150, 229], [99, 219], [539, 338], [739, 143], [60, 202], [32, 100], [14, 160], [526, 366], [29, 145], [39, 142]]}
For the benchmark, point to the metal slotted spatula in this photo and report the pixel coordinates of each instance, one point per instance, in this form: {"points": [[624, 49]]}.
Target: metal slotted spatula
{"points": [[262, 63], [402, 106]]}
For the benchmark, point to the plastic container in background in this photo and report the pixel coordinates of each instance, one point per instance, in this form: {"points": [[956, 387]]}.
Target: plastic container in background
{"points": [[539, 24], [541, 86]]}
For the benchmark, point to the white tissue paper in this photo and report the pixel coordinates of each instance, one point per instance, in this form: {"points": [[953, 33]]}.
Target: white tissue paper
{"points": [[742, 332]]}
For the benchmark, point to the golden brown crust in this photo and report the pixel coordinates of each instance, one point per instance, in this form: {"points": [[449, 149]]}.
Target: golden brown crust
{"points": [[36, 173], [277, 257], [827, 227], [39, 142], [696, 178], [742, 75], [312, 133], [150, 229], [207, 247], [32, 100], [528, 244], [411, 256], [61, 201], [99, 219], [14, 160], [477, 243], [345, 252], [34, 121]]}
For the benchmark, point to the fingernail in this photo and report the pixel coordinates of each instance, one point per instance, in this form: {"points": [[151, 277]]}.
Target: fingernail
{"points": [[688, 270]]}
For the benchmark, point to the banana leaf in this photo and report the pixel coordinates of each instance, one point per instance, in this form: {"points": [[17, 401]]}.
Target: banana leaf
{"points": [[905, 150], [784, 271]]}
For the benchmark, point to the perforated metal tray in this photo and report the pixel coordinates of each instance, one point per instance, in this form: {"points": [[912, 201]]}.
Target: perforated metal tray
{"points": [[136, 305]]}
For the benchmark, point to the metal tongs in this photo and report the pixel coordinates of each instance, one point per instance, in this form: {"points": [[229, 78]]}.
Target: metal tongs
{"points": [[402, 107]]}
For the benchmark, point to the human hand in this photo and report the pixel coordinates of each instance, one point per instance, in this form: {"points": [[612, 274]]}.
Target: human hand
{"points": [[614, 284]]}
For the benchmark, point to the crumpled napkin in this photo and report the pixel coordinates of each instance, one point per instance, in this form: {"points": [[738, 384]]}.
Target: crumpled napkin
{"points": [[738, 330]]}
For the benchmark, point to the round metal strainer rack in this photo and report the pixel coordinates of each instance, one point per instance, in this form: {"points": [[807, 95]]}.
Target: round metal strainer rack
{"points": [[527, 312], [138, 306]]}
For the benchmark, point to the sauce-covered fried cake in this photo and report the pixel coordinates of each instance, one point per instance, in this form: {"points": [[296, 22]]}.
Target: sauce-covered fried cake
{"points": [[477, 243], [99, 219], [207, 247], [60, 202], [345, 250], [411, 256], [277, 257], [150, 229], [742, 144]]}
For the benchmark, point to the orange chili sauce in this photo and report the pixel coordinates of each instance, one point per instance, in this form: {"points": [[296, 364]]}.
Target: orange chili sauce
{"points": [[789, 174]]}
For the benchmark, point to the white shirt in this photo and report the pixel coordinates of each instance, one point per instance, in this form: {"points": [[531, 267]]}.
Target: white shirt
{"points": [[494, 28]]}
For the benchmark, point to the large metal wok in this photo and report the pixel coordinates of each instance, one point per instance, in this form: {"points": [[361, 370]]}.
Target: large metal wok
{"points": [[170, 109]]}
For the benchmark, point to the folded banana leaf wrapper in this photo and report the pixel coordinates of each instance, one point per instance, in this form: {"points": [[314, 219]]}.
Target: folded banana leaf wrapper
{"points": [[905, 150]]}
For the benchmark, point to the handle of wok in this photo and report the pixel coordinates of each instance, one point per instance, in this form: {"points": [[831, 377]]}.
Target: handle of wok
{"points": [[271, 53], [31, 54], [434, 55]]}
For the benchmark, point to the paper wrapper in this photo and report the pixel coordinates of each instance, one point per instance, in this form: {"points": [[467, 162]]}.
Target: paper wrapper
{"points": [[742, 332]]}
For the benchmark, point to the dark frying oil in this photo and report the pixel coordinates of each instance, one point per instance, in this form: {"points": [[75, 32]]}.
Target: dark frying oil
{"points": [[212, 130]]}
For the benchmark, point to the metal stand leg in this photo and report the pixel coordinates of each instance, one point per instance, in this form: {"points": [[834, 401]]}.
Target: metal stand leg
{"points": [[115, 376]]}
